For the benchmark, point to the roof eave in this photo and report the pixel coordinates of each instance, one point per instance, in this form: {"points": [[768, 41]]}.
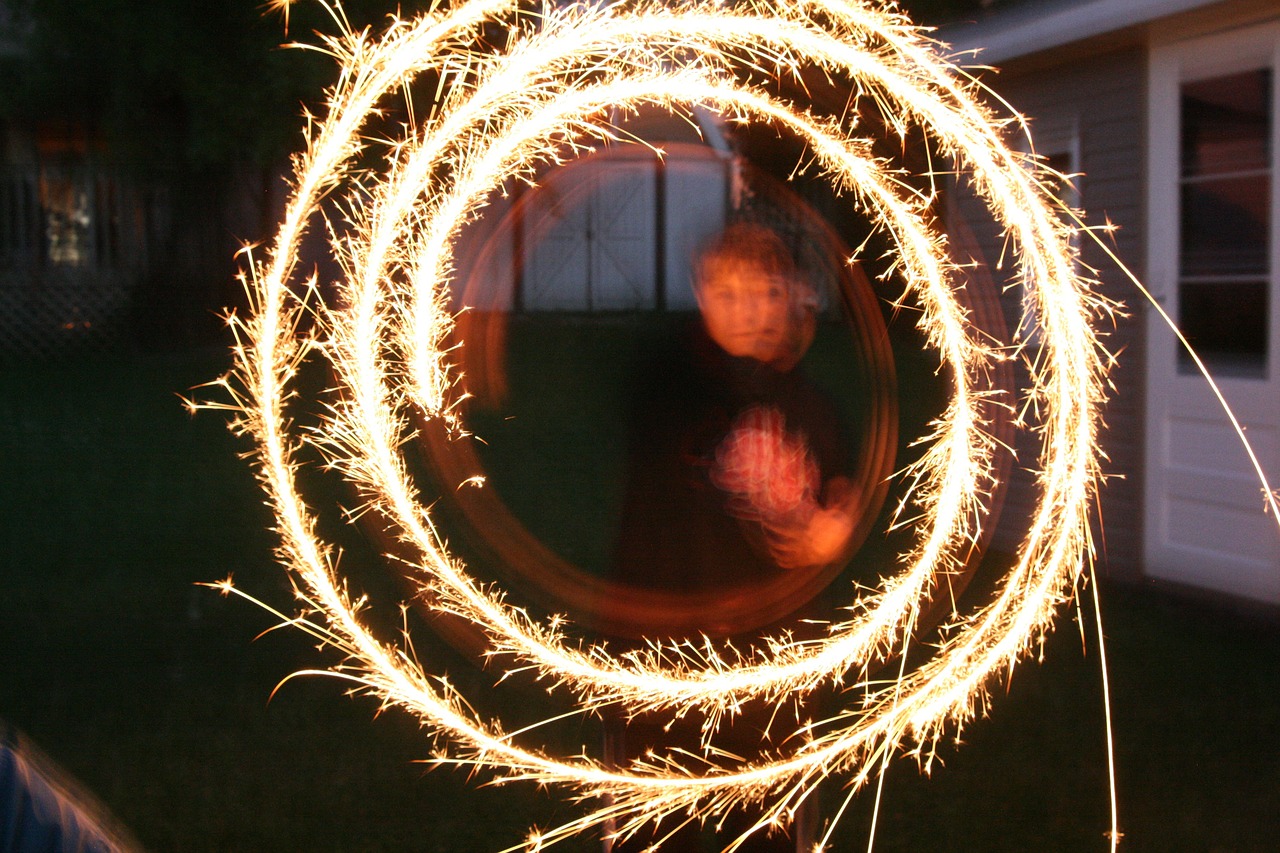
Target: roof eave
{"points": [[1028, 30]]}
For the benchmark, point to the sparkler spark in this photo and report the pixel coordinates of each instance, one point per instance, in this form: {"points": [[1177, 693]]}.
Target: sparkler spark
{"points": [[544, 97]]}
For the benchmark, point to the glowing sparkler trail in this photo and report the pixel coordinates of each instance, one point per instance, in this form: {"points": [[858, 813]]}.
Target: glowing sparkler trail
{"points": [[502, 114]]}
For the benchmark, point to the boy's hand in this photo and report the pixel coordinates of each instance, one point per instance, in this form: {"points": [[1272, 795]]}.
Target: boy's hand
{"points": [[820, 540]]}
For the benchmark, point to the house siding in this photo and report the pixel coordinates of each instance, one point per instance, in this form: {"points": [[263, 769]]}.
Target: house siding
{"points": [[1095, 104]]}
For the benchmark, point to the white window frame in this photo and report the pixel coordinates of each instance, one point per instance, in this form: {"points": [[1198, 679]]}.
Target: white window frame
{"points": [[1181, 61], [1062, 138]]}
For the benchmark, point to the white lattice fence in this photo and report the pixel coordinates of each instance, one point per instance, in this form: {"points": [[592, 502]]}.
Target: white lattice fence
{"points": [[71, 248], [43, 320]]}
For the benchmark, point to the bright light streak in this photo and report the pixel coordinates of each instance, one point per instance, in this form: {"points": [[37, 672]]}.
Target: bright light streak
{"points": [[545, 97]]}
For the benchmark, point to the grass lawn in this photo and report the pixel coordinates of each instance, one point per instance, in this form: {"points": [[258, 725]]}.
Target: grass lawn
{"points": [[155, 694]]}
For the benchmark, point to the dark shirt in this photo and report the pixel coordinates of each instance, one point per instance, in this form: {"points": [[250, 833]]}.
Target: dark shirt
{"points": [[680, 531]]}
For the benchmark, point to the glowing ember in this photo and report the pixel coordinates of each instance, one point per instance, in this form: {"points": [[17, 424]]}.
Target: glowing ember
{"points": [[546, 95]]}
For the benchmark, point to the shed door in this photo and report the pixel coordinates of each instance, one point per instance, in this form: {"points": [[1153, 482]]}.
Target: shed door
{"points": [[1213, 264], [592, 236]]}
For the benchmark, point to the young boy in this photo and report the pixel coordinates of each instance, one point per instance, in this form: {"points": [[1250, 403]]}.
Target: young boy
{"points": [[737, 474], [738, 465]]}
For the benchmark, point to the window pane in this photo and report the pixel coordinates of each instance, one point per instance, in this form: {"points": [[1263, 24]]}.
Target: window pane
{"points": [[1225, 220], [1224, 226], [68, 219], [1226, 124], [1064, 164], [1227, 325]]}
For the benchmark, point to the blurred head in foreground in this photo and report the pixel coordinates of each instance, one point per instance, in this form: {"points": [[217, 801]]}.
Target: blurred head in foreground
{"points": [[749, 294]]}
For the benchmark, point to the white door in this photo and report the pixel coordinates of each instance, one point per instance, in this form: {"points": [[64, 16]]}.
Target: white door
{"points": [[1213, 263], [590, 235], [698, 188]]}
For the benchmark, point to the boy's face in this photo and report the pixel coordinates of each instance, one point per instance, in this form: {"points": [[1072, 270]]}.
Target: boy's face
{"points": [[745, 310]]}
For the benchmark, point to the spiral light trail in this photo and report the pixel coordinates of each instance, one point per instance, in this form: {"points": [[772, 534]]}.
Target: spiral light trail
{"points": [[546, 96]]}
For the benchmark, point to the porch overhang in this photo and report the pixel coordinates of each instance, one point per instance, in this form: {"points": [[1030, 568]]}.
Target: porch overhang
{"points": [[1036, 27]]}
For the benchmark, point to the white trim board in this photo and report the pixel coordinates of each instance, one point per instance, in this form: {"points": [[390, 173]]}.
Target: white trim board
{"points": [[1035, 27]]}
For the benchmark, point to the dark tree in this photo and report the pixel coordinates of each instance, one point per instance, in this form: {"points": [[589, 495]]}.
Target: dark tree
{"points": [[198, 102]]}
